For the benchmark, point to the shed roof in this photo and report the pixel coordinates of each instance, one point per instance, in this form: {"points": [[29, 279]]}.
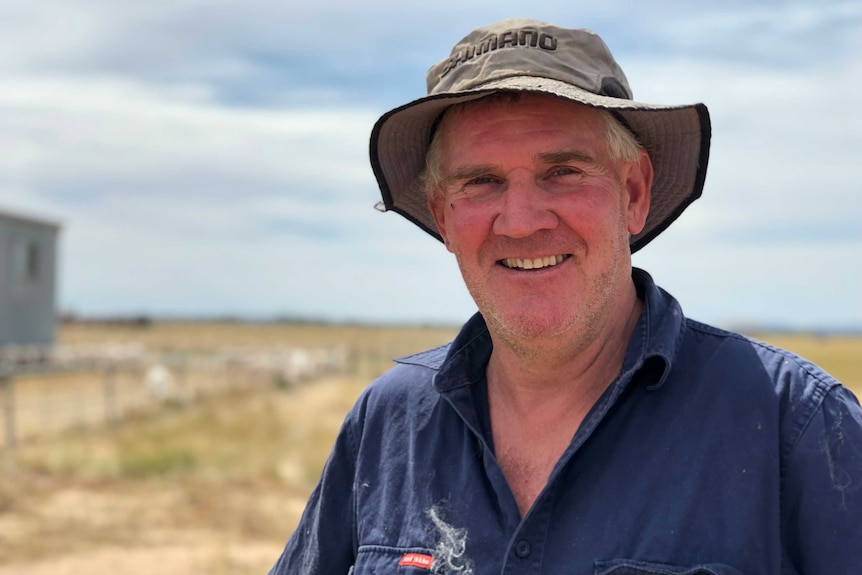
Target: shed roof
{"points": [[27, 219]]}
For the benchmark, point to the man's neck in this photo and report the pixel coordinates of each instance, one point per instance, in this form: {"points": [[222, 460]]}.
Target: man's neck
{"points": [[529, 375]]}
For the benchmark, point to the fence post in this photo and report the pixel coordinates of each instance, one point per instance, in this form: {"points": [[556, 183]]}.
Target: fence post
{"points": [[231, 376], [8, 408], [182, 391], [110, 393]]}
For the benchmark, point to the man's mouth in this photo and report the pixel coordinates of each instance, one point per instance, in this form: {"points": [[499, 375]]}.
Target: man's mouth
{"points": [[534, 263]]}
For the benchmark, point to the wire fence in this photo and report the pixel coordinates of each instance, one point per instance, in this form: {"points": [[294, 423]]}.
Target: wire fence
{"points": [[115, 372], [58, 390]]}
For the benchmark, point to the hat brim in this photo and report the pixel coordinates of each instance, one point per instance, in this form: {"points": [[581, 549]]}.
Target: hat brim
{"points": [[675, 137]]}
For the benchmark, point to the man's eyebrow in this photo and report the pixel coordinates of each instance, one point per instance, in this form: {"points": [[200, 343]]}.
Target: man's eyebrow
{"points": [[565, 156]]}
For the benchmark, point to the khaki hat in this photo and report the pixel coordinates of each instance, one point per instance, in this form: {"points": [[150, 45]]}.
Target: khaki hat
{"points": [[531, 56]]}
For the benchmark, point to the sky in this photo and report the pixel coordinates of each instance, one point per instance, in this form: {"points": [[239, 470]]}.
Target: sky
{"points": [[210, 158]]}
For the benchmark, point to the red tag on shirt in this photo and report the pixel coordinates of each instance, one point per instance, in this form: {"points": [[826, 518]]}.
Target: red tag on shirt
{"points": [[416, 560]]}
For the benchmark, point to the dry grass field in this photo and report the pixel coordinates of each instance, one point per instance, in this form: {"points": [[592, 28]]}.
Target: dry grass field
{"points": [[212, 487], [215, 486]]}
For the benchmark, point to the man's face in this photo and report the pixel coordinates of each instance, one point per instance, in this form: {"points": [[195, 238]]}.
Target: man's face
{"points": [[538, 214]]}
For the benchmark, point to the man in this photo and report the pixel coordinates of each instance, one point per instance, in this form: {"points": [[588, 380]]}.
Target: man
{"points": [[579, 423]]}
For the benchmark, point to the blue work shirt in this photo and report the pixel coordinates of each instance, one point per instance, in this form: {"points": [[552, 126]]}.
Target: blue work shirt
{"points": [[709, 453]]}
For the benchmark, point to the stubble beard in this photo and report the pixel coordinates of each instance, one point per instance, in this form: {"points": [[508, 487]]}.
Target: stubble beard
{"points": [[526, 335]]}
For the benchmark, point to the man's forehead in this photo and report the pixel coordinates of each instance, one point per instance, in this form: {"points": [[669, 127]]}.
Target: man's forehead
{"points": [[488, 116], [533, 102]]}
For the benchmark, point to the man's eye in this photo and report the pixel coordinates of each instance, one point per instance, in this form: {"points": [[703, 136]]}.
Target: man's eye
{"points": [[481, 180], [564, 171], [480, 188]]}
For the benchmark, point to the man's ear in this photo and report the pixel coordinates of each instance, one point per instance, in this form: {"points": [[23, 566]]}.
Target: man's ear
{"points": [[638, 183], [437, 207]]}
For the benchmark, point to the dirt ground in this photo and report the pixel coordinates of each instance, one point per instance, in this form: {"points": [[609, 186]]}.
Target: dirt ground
{"points": [[213, 489], [204, 553], [85, 530]]}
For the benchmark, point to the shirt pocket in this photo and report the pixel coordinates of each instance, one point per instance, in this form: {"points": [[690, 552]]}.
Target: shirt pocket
{"points": [[384, 560], [630, 567]]}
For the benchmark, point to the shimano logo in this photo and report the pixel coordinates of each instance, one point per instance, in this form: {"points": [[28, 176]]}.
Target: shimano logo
{"points": [[523, 37]]}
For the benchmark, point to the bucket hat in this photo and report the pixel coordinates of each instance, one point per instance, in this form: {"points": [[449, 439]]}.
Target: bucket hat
{"points": [[531, 56]]}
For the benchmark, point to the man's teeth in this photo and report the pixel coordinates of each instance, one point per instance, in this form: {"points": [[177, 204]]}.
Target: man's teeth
{"points": [[533, 264]]}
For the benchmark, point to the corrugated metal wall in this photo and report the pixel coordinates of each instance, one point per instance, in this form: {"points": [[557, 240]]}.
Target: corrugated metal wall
{"points": [[28, 276]]}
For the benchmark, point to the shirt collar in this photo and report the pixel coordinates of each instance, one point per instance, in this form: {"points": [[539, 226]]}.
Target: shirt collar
{"points": [[658, 333]]}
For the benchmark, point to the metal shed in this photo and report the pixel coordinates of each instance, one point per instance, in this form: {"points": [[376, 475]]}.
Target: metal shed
{"points": [[28, 278]]}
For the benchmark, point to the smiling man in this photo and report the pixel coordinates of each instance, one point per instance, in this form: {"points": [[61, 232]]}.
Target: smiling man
{"points": [[527, 180], [579, 423]]}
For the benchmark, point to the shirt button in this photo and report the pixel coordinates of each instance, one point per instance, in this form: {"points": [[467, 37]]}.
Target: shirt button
{"points": [[522, 549]]}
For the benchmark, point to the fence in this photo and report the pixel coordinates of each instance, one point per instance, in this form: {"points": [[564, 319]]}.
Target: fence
{"points": [[57, 389]]}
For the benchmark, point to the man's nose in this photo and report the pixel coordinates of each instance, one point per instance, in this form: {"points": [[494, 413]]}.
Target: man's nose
{"points": [[524, 209]]}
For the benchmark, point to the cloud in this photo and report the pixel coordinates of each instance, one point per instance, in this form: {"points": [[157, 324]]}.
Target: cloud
{"points": [[211, 157], [783, 147], [785, 34], [774, 238]]}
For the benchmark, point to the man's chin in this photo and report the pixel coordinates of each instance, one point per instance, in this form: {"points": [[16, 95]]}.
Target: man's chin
{"points": [[527, 326]]}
